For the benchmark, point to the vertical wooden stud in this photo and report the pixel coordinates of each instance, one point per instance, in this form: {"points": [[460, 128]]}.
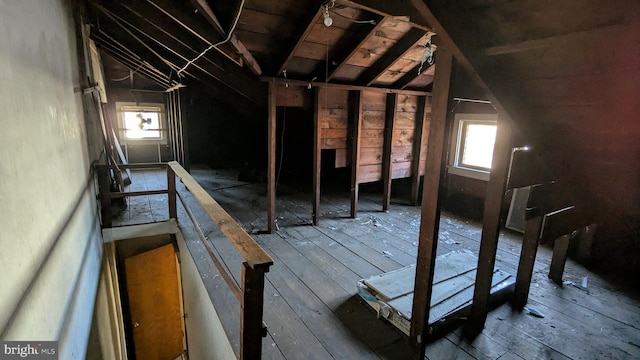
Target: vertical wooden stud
{"points": [[559, 258], [252, 308], [317, 152], [387, 151], [170, 133], [430, 212], [490, 228], [171, 187], [104, 186], [356, 120], [271, 166], [184, 134], [421, 114]]}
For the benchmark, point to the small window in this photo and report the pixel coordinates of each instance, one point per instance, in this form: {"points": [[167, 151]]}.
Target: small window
{"points": [[140, 123], [472, 148]]}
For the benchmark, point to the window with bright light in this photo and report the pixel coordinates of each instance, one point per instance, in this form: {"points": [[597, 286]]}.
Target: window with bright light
{"points": [[140, 122], [472, 148]]}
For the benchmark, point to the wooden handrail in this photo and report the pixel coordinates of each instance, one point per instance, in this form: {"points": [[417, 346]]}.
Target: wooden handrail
{"points": [[248, 248], [256, 261]]}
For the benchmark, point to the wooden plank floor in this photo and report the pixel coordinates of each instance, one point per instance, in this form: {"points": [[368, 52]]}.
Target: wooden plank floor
{"points": [[311, 308]]}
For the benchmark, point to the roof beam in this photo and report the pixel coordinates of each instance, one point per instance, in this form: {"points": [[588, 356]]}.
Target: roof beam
{"points": [[180, 52], [300, 41], [363, 39], [110, 16], [412, 74], [302, 29], [131, 64], [123, 51], [396, 52], [385, 8], [249, 60]]}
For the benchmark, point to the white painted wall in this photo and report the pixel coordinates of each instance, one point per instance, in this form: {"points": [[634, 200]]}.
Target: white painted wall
{"points": [[50, 246], [206, 338]]}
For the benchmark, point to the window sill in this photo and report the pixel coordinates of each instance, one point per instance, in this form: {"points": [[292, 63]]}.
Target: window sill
{"points": [[143, 142], [470, 173]]}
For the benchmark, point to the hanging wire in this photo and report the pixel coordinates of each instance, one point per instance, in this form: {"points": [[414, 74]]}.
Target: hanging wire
{"points": [[372, 22], [233, 28]]}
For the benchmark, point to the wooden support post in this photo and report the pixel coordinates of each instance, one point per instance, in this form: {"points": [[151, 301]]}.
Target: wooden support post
{"points": [[559, 258], [169, 133], [356, 121], [184, 134], [251, 328], [171, 187], [387, 151], [271, 166], [430, 213], [490, 228], [317, 153], [421, 121], [527, 260], [104, 187]]}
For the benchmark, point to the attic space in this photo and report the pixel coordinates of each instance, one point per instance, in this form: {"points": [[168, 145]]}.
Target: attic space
{"points": [[360, 179], [498, 113]]}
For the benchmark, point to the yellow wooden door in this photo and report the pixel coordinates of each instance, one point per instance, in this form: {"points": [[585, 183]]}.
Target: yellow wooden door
{"points": [[155, 304]]}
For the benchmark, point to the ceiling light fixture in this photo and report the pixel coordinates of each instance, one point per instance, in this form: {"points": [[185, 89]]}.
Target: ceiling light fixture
{"points": [[328, 21]]}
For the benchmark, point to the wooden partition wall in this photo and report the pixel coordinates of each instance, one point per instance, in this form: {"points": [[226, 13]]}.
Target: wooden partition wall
{"points": [[380, 133]]}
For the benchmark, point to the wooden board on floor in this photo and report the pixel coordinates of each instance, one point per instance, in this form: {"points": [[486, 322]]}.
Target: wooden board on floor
{"points": [[391, 294]]}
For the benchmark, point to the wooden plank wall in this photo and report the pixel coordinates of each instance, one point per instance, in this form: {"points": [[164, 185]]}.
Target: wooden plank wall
{"points": [[333, 112]]}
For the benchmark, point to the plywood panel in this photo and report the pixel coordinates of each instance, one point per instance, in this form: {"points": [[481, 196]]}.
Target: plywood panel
{"points": [[154, 303]]}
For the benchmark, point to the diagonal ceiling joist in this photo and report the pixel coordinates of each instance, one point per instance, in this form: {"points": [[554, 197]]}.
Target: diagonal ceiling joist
{"points": [[131, 64], [412, 74], [180, 53], [249, 60], [303, 27], [301, 40], [396, 52], [363, 38]]}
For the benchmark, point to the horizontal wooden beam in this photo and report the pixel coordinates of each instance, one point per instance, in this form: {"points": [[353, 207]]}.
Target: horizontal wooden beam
{"points": [[344, 86]]}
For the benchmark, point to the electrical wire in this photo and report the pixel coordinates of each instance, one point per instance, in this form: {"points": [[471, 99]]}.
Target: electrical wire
{"points": [[233, 28], [372, 22]]}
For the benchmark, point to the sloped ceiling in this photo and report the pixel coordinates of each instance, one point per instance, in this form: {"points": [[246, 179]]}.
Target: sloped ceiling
{"points": [[567, 72]]}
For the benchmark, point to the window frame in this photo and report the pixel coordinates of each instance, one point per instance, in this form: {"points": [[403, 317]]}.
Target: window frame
{"points": [[455, 166], [150, 141]]}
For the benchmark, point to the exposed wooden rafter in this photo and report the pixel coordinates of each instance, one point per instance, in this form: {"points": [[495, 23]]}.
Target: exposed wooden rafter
{"points": [[234, 80], [396, 52], [301, 39], [249, 60], [363, 39], [172, 48], [412, 74], [385, 8]]}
